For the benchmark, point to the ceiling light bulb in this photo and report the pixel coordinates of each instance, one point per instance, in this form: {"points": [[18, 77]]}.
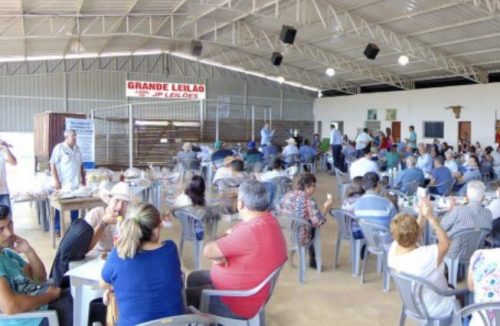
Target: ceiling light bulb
{"points": [[320, 94], [280, 79], [330, 72], [403, 60]]}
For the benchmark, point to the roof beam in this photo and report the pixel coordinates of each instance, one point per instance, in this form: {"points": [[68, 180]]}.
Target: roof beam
{"points": [[259, 39], [357, 27], [489, 6], [288, 72], [116, 25], [360, 28], [23, 29], [200, 16]]}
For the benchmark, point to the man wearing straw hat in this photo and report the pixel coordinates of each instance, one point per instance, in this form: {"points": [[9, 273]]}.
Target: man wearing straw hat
{"points": [[104, 219], [290, 151]]}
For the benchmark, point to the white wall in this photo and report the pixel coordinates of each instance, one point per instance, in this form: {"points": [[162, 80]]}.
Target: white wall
{"points": [[481, 104]]}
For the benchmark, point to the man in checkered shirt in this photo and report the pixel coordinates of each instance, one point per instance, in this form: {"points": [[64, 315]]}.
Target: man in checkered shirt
{"points": [[470, 216]]}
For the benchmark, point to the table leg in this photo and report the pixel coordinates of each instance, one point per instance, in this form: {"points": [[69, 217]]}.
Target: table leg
{"points": [[62, 220], [51, 212], [77, 292]]}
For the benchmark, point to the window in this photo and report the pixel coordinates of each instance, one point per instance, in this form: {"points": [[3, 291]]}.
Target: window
{"points": [[433, 129]]}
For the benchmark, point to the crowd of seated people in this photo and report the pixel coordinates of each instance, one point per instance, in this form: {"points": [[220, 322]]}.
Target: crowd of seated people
{"points": [[252, 249]]}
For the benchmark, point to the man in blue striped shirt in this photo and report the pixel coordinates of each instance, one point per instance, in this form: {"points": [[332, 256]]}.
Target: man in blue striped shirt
{"points": [[371, 206]]}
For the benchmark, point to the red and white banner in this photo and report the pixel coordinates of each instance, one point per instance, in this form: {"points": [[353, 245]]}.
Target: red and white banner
{"points": [[173, 91]]}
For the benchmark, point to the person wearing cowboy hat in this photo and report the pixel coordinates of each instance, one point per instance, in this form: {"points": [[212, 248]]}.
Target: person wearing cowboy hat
{"points": [[225, 171], [290, 151], [104, 219], [187, 156]]}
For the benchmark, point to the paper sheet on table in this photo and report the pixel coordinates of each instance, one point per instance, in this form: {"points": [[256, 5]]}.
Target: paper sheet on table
{"points": [[89, 271]]}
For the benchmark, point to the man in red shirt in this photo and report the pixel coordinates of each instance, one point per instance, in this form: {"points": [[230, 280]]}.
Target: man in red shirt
{"points": [[243, 257]]}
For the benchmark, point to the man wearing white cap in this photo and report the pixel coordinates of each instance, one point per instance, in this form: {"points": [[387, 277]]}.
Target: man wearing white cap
{"points": [[104, 219], [290, 151]]}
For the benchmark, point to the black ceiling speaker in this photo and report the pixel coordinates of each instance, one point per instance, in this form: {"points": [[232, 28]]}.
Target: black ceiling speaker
{"points": [[276, 58], [287, 34], [196, 48], [371, 51]]}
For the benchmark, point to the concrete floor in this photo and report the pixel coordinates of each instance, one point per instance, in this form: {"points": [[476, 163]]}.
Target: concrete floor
{"points": [[332, 297]]}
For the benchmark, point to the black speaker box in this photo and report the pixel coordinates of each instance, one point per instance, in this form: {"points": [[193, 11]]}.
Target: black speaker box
{"points": [[287, 34], [196, 48], [276, 58], [371, 51]]}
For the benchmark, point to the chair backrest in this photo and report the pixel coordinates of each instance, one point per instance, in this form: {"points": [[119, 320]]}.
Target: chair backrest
{"points": [[411, 291], [340, 176], [411, 189], [271, 279], [469, 240], [488, 313], [51, 316], [182, 320], [398, 193], [192, 226], [74, 246], [375, 235], [227, 184], [308, 159], [292, 158], [344, 219], [218, 163], [283, 185], [297, 228]]}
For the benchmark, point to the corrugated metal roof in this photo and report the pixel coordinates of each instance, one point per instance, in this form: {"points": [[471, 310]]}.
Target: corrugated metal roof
{"points": [[445, 27]]}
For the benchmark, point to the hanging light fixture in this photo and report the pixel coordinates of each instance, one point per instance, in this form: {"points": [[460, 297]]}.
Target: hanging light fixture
{"points": [[330, 72], [280, 79], [403, 60]]}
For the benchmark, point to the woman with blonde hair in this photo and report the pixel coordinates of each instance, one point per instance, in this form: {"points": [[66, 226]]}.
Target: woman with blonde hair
{"points": [[407, 256], [145, 274]]}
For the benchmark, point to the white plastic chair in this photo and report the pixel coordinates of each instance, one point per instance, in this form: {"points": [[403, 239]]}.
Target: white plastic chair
{"points": [[295, 226], [470, 240], [283, 185], [411, 290], [376, 243], [51, 315], [188, 222], [488, 313], [342, 184], [258, 319], [344, 233], [182, 320]]}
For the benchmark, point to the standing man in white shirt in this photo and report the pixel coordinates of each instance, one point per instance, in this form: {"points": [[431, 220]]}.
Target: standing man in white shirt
{"points": [[362, 141], [66, 168], [266, 135], [336, 145], [6, 156]]}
